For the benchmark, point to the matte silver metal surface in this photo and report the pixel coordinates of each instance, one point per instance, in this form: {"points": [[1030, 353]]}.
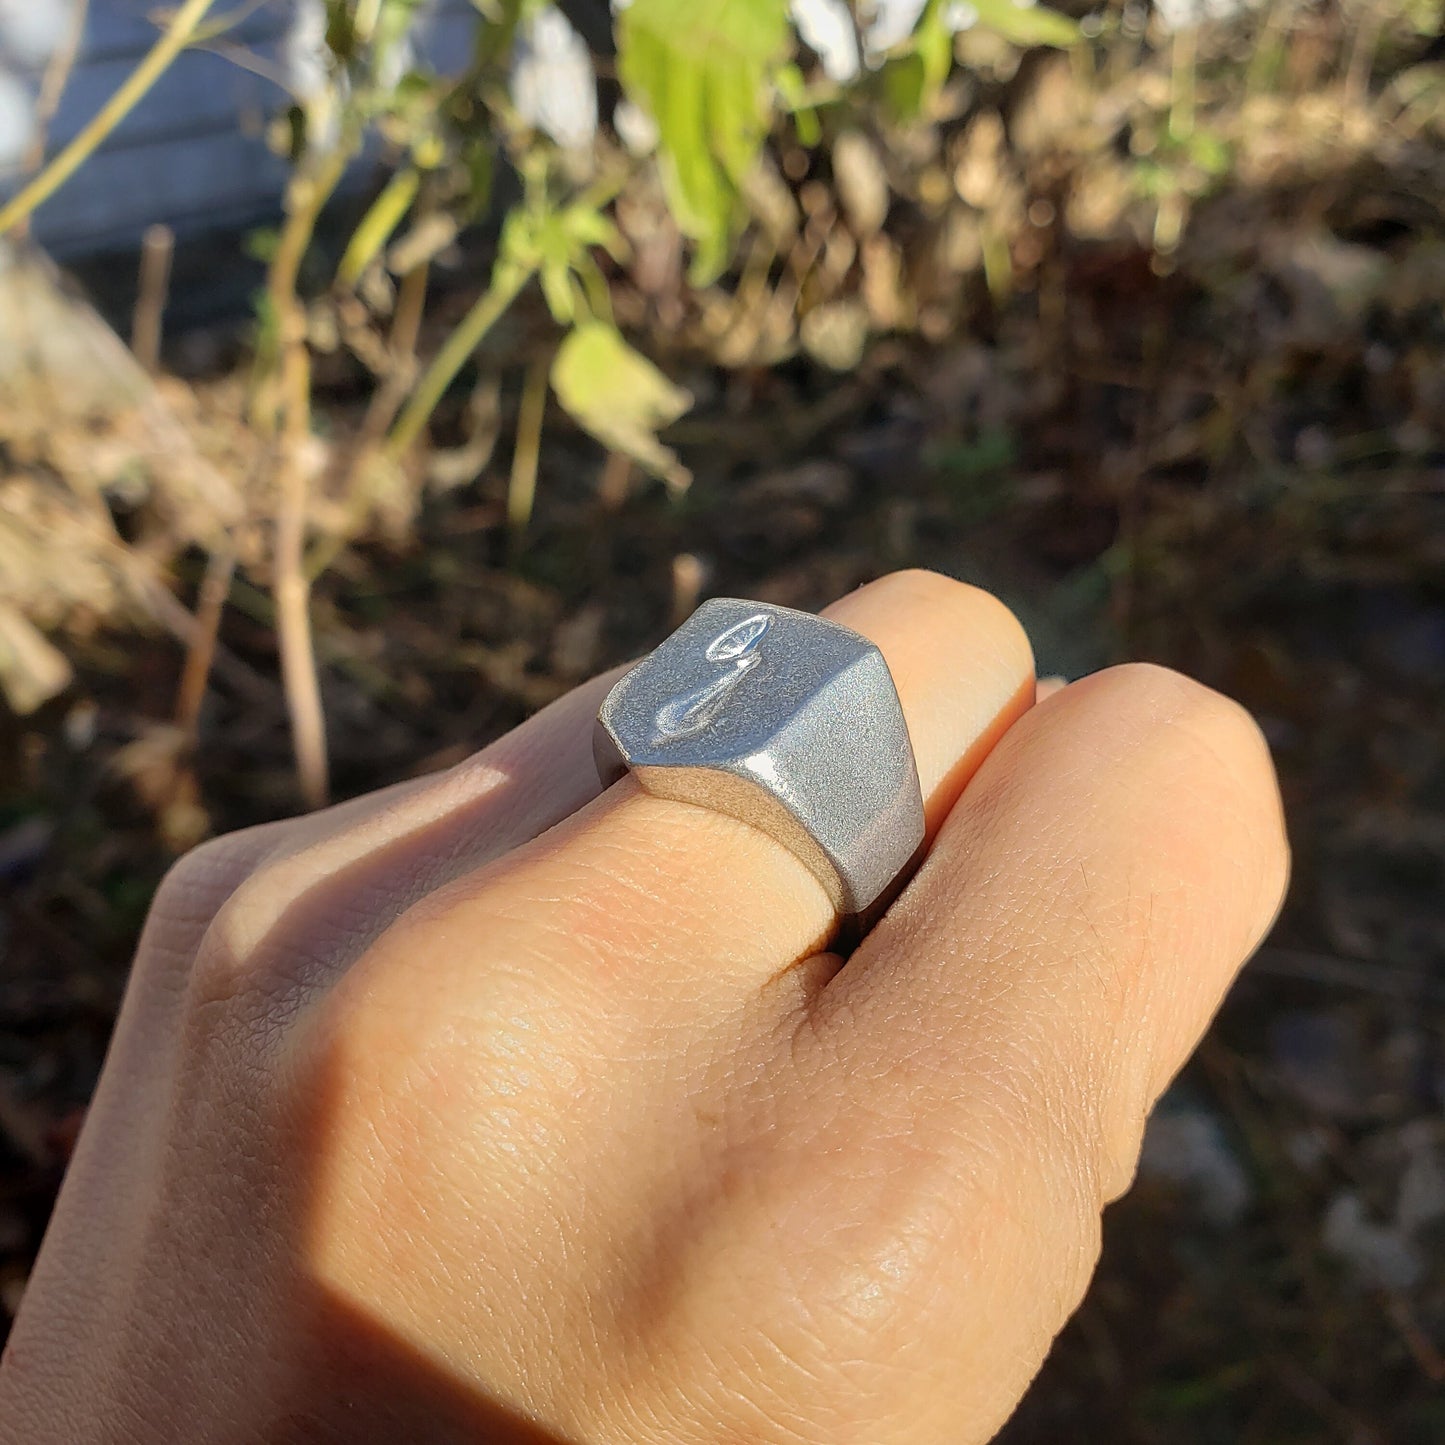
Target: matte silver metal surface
{"points": [[785, 720]]}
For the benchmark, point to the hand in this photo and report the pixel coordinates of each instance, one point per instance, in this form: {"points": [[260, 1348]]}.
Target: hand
{"points": [[485, 1108]]}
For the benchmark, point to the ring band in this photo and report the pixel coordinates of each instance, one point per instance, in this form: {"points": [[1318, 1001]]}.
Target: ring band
{"points": [[787, 721]]}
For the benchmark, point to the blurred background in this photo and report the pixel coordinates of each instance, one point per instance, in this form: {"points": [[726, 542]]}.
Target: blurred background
{"points": [[413, 361]]}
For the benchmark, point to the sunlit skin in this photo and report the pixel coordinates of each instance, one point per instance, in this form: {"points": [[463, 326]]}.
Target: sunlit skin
{"points": [[488, 1108]]}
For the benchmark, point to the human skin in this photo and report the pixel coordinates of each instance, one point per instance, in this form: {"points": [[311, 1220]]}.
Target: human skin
{"points": [[490, 1109]]}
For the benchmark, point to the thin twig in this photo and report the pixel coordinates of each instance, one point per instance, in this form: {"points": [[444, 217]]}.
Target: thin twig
{"points": [[401, 358], [406, 322], [1268, 44], [244, 58], [1356, 85], [52, 86], [378, 225], [293, 588], [615, 481], [157, 249], [235, 17], [167, 610], [1183, 79], [287, 417], [1426, 1353], [381, 412], [522, 485], [104, 121], [507, 282], [201, 650]]}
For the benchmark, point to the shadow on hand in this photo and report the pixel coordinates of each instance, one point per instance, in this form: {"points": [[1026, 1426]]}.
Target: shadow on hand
{"points": [[238, 1334], [358, 1380], [368, 1385]]}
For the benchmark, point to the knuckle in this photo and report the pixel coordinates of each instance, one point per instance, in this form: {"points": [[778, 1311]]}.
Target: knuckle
{"points": [[239, 924], [200, 881], [926, 592], [1215, 741], [181, 917], [217, 966], [934, 594], [1150, 690], [1226, 750], [935, 589], [186, 951], [1162, 696], [919, 580]]}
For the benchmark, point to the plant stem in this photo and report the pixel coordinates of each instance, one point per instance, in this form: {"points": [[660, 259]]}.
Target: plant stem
{"points": [[201, 649], [401, 354], [288, 419], [158, 247], [178, 34], [1184, 60], [377, 226], [385, 403], [1356, 84], [305, 197], [52, 88], [522, 485], [507, 282], [293, 590], [616, 478]]}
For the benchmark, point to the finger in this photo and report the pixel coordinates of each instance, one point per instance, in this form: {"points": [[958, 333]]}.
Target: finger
{"points": [[343, 875], [643, 891], [975, 1081], [383, 850], [1046, 687], [501, 796]]}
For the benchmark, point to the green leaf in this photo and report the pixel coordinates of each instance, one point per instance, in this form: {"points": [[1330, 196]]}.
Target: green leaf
{"points": [[1210, 152], [341, 38], [378, 225], [702, 70], [260, 244], [1026, 24], [793, 91], [556, 281], [901, 85], [586, 226], [933, 44], [555, 244], [394, 22], [916, 70], [620, 397]]}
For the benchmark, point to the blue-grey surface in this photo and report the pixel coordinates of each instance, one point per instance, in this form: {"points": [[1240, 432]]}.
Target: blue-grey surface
{"points": [[193, 153], [785, 720]]}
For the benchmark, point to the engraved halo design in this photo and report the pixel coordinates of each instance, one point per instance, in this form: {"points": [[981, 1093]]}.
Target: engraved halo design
{"points": [[694, 710], [791, 724], [739, 640]]}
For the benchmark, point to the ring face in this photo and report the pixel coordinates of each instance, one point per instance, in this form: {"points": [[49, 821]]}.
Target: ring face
{"points": [[785, 720]]}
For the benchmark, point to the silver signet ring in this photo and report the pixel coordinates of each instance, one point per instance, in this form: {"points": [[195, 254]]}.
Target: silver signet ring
{"points": [[786, 721]]}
